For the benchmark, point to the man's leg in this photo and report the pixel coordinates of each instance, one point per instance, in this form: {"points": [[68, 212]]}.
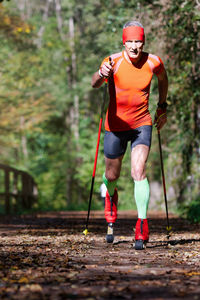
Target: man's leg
{"points": [[113, 167], [139, 157], [115, 144], [112, 173]]}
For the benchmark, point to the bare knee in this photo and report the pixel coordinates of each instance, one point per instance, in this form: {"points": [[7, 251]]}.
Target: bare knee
{"points": [[138, 173], [113, 168], [111, 175]]}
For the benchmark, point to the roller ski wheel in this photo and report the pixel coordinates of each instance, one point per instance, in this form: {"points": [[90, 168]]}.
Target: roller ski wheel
{"points": [[110, 235], [140, 245]]}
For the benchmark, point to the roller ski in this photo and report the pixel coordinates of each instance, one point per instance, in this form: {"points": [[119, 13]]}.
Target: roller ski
{"points": [[110, 235], [110, 214], [141, 234]]}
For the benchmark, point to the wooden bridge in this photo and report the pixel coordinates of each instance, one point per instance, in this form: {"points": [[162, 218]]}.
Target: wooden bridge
{"points": [[18, 189]]}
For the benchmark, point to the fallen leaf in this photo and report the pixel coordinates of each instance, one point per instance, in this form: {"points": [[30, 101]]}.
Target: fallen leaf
{"points": [[23, 280]]}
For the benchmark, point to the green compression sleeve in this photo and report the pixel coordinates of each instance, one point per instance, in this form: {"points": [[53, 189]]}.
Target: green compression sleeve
{"points": [[110, 185], [142, 194]]}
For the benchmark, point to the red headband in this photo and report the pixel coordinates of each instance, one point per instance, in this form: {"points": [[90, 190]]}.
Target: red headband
{"points": [[133, 33]]}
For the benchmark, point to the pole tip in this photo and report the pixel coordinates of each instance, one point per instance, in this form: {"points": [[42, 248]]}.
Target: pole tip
{"points": [[85, 232], [169, 228], [169, 231]]}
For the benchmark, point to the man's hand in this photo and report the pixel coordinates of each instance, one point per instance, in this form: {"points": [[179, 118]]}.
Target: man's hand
{"points": [[107, 69], [160, 117], [161, 113], [104, 72]]}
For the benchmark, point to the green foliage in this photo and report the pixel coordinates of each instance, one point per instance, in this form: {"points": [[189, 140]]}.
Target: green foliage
{"points": [[182, 34], [193, 211]]}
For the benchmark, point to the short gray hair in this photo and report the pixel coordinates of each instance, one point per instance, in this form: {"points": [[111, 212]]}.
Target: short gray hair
{"points": [[132, 23]]}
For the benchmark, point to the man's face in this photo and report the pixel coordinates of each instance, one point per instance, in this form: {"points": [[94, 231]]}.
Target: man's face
{"points": [[134, 49]]}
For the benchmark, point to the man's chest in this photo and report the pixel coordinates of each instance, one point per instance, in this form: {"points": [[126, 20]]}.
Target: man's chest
{"points": [[130, 78]]}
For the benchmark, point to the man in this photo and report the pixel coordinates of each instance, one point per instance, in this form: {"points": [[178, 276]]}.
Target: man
{"points": [[129, 74]]}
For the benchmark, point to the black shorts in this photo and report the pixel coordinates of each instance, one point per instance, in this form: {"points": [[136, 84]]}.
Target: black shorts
{"points": [[115, 143]]}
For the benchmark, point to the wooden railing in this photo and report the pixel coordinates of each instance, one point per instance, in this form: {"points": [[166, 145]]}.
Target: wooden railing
{"points": [[17, 189]]}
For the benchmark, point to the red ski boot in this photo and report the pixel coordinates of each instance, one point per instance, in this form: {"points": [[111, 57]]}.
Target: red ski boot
{"points": [[110, 214], [141, 234]]}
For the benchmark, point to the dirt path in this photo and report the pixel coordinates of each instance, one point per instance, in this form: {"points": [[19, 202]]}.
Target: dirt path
{"points": [[48, 257]]}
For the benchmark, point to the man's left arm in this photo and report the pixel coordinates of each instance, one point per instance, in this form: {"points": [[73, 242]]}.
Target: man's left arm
{"points": [[161, 114]]}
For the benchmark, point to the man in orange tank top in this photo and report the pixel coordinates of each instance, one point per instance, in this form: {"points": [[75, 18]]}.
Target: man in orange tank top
{"points": [[129, 74]]}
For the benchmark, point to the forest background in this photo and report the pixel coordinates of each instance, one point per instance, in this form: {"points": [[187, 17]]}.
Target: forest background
{"points": [[50, 113]]}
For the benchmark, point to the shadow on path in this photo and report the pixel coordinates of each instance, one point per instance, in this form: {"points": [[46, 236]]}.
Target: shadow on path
{"points": [[74, 222]]}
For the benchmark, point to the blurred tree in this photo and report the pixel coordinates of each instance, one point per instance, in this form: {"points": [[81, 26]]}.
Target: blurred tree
{"points": [[182, 45]]}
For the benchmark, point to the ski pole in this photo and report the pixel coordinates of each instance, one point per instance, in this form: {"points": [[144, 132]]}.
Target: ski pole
{"points": [[95, 160], [164, 186], [96, 156]]}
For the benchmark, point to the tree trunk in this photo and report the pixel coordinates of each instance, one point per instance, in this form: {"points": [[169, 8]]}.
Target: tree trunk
{"points": [[73, 119], [59, 19], [23, 139], [74, 112], [21, 5], [28, 9], [45, 18]]}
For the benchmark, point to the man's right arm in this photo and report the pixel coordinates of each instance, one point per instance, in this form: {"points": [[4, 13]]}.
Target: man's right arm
{"points": [[97, 80]]}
